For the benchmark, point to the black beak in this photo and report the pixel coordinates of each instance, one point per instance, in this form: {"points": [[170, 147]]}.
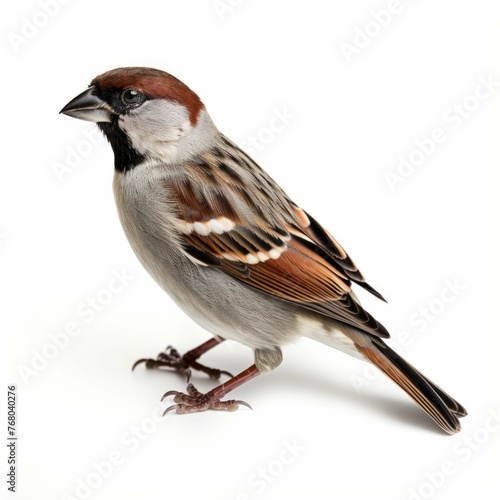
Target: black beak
{"points": [[87, 106]]}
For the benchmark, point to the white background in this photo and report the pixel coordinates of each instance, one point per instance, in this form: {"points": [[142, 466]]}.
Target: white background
{"points": [[353, 117]]}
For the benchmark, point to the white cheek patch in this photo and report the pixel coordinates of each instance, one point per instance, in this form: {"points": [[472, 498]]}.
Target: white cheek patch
{"points": [[156, 127], [175, 134]]}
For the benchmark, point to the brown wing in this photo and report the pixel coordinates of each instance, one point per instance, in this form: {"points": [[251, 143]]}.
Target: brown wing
{"points": [[267, 242]]}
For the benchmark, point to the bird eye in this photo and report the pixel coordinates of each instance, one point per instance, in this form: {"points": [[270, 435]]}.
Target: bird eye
{"points": [[132, 97]]}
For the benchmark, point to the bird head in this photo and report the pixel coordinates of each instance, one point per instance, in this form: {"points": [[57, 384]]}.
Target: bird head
{"points": [[146, 114]]}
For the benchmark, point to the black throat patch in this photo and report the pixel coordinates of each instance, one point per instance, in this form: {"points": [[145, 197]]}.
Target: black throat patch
{"points": [[126, 157]]}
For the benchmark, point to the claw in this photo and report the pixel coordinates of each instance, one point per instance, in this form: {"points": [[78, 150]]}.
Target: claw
{"points": [[243, 403], [138, 362], [170, 359], [193, 401], [170, 393], [170, 408]]}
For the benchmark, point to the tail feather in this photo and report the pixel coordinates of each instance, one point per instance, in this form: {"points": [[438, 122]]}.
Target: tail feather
{"points": [[453, 405], [441, 407]]}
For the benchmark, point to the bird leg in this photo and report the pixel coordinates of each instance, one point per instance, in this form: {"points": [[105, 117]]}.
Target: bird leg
{"points": [[171, 359], [195, 401]]}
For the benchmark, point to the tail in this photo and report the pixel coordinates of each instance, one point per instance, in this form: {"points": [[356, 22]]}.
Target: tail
{"points": [[441, 407]]}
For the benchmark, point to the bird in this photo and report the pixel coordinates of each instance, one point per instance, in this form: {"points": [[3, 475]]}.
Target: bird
{"points": [[229, 246]]}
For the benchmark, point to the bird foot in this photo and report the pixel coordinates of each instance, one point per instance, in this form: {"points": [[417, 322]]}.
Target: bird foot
{"points": [[195, 401], [171, 359]]}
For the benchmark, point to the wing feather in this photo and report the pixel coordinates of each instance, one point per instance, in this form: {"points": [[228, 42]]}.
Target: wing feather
{"points": [[264, 240]]}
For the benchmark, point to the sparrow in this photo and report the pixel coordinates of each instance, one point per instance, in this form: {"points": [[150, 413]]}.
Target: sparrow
{"points": [[228, 245]]}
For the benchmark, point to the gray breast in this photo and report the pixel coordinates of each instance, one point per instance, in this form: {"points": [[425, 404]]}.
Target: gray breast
{"points": [[217, 302]]}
